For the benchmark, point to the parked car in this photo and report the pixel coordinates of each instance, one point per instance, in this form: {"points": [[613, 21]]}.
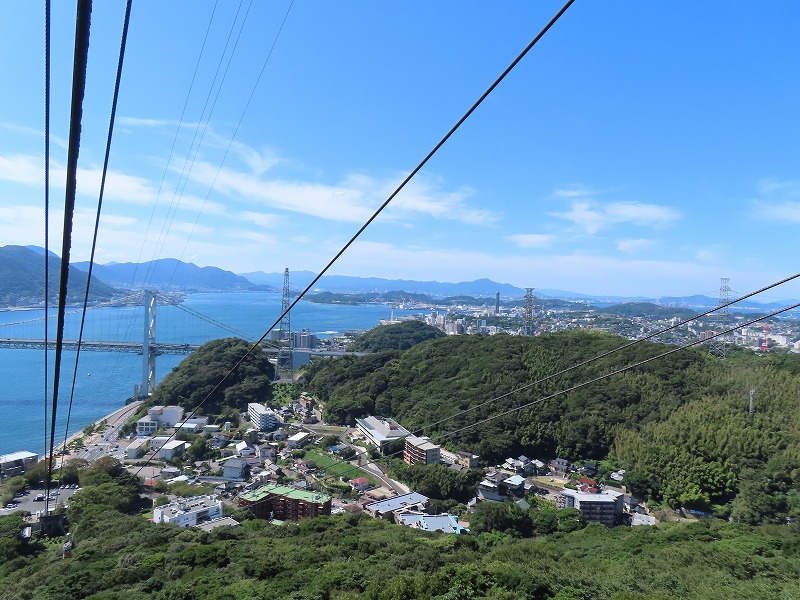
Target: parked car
{"points": [[39, 498]]}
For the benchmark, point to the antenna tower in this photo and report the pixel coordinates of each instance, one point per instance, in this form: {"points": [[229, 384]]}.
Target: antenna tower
{"points": [[529, 327], [752, 403], [284, 364]]}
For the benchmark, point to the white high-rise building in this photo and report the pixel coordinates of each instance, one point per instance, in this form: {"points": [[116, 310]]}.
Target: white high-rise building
{"points": [[262, 418]]}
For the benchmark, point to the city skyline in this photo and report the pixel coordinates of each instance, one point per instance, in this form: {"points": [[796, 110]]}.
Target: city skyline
{"points": [[636, 151]]}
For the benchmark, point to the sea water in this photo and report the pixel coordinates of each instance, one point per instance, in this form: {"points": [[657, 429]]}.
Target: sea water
{"points": [[104, 380]]}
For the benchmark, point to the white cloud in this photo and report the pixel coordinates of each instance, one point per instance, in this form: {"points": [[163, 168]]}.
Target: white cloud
{"points": [[531, 240], [265, 220], [779, 200], [353, 200], [22, 169], [709, 254], [594, 274], [633, 246], [577, 190], [592, 217], [785, 212]]}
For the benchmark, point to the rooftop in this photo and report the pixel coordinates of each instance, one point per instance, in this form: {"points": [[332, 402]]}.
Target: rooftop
{"points": [[445, 522], [283, 490], [20, 455], [397, 503]]}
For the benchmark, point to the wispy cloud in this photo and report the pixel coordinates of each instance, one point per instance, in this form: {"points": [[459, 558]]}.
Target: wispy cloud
{"points": [[19, 168], [779, 200], [592, 217], [531, 240], [577, 272], [633, 246], [32, 132], [354, 199]]}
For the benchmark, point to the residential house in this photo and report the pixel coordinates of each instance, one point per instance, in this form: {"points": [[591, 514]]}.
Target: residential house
{"points": [[444, 522], [236, 468], [359, 484], [561, 467], [467, 459], [245, 450], [411, 502]]}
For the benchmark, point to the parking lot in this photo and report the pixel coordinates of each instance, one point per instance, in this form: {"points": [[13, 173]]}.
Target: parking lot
{"points": [[28, 501]]}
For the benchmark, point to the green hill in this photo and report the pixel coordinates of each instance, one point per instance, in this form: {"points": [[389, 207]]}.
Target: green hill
{"points": [[679, 424], [22, 280]]}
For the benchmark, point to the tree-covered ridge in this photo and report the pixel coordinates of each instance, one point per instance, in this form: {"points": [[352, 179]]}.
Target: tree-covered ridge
{"points": [[22, 280], [679, 424], [356, 557], [191, 382], [397, 336]]}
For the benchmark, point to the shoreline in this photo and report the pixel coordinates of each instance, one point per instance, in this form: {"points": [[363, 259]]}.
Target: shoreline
{"points": [[122, 413]]}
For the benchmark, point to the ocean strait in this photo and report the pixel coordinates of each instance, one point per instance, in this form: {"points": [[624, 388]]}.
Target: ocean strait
{"points": [[104, 380]]}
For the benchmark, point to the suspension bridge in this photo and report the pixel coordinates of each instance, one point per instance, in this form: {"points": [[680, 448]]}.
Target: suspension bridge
{"points": [[111, 327]]}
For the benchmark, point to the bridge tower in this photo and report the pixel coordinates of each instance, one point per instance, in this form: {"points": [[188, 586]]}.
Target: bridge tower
{"points": [[149, 352]]}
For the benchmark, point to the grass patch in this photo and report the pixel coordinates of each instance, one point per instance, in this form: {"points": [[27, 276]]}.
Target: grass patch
{"points": [[332, 466]]}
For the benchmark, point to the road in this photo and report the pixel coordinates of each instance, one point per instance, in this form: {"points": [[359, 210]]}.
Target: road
{"points": [[389, 484], [98, 444]]}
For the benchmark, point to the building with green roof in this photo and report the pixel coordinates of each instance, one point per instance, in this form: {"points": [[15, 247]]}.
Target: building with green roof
{"points": [[286, 503]]}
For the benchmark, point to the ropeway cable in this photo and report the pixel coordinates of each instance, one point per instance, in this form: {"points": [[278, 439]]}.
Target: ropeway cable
{"points": [[380, 209], [83, 19], [117, 81]]}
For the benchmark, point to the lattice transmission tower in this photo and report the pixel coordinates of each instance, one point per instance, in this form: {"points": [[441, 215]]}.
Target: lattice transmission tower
{"points": [[529, 326], [719, 346], [284, 363], [724, 294]]}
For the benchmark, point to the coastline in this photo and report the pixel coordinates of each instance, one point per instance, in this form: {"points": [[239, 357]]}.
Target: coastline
{"points": [[114, 418]]}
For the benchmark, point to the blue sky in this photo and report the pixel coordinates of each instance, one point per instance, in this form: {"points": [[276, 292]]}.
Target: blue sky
{"points": [[639, 149]]}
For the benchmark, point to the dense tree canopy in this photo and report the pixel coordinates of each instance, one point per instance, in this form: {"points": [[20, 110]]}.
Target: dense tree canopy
{"points": [[194, 380], [357, 557], [397, 336], [679, 424]]}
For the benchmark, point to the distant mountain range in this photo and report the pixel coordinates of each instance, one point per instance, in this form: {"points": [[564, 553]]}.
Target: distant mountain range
{"points": [[343, 284], [22, 279], [171, 274], [22, 274]]}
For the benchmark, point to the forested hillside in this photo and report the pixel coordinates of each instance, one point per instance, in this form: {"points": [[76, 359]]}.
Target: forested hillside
{"points": [[123, 557], [22, 280], [679, 424], [398, 336], [191, 382]]}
